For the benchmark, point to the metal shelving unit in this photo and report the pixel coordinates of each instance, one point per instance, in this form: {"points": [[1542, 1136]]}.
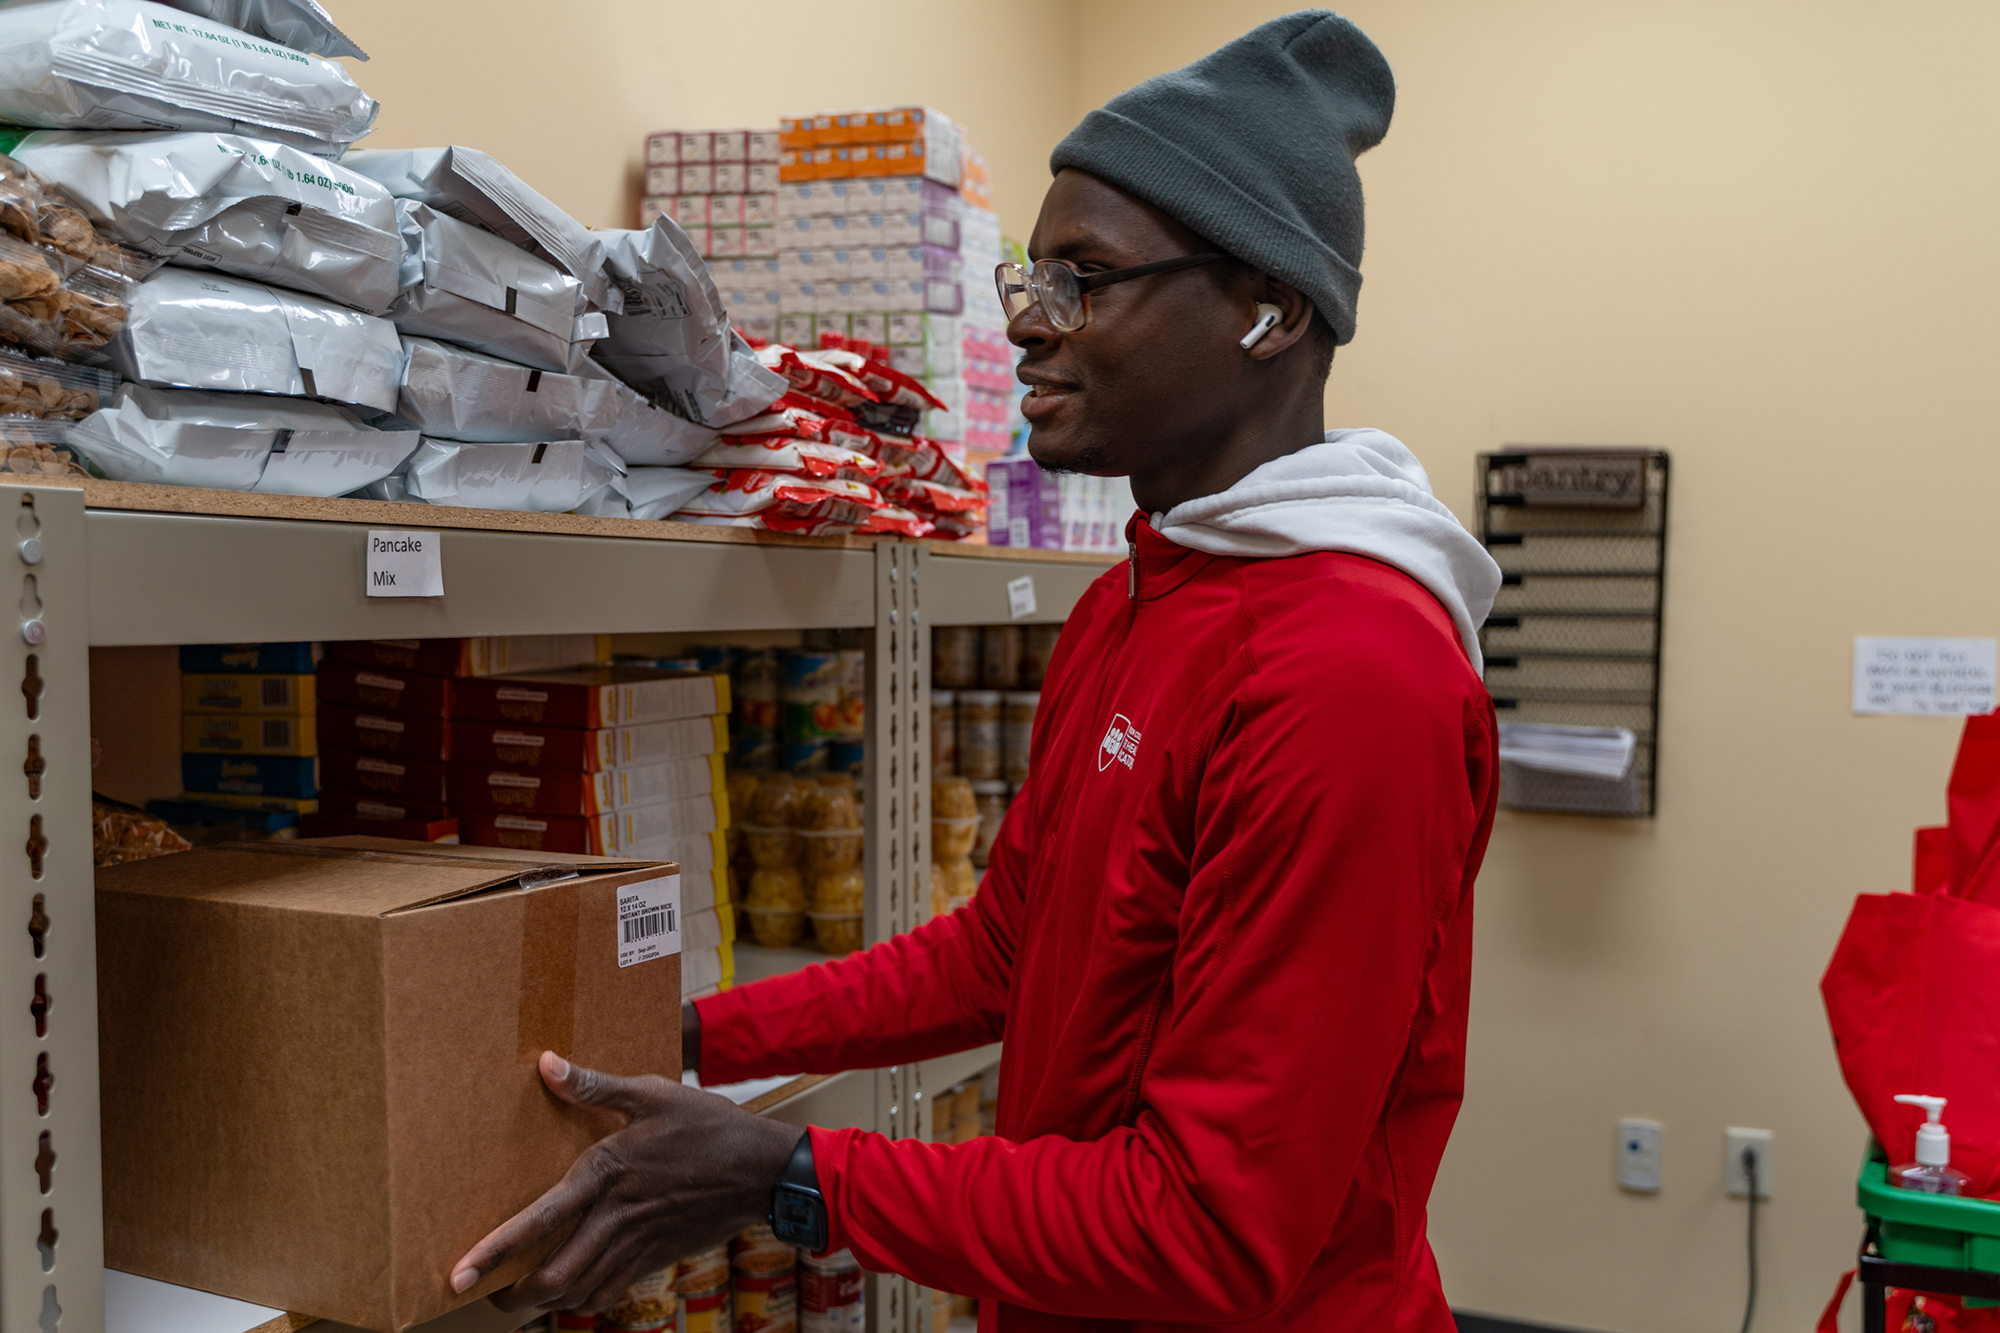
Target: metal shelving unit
{"points": [[110, 564]]}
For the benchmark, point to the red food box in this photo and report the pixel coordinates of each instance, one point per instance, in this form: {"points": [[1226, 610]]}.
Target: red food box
{"points": [[523, 745], [436, 657], [548, 791], [590, 697], [398, 736], [534, 833], [342, 826], [382, 777], [386, 689], [349, 805]]}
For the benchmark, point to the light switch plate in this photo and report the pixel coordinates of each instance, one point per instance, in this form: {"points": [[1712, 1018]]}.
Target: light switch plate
{"points": [[1639, 1156]]}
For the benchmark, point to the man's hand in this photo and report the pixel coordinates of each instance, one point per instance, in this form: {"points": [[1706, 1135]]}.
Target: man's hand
{"points": [[688, 1170]]}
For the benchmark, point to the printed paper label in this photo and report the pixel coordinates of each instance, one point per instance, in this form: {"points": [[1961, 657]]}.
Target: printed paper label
{"points": [[649, 924], [1938, 677], [1021, 594], [405, 564]]}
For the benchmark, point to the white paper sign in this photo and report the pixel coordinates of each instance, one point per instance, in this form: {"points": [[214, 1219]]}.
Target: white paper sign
{"points": [[405, 564], [1938, 677], [1021, 596], [649, 920]]}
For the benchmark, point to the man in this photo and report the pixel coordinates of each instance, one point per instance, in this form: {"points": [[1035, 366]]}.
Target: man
{"points": [[1226, 928]]}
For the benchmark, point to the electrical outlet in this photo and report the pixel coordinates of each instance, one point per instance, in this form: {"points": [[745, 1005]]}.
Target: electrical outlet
{"points": [[1758, 1141], [1639, 1155]]}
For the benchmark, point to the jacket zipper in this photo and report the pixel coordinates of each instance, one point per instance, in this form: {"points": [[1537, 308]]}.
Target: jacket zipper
{"points": [[1132, 571]]}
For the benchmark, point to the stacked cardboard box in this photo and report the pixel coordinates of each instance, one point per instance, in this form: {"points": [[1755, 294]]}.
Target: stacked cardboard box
{"points": [[1031, 507], [721, 186], [248, 740], [610, 761]]}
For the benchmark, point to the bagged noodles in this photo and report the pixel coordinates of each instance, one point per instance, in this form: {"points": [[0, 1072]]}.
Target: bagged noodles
{"points": [[549, 477], [455, 394], [251, 207], [299, 24], [640, 434], [467, 184], [136, 65], [673, 342], [237, 442], [469, 287], [205, 331]]}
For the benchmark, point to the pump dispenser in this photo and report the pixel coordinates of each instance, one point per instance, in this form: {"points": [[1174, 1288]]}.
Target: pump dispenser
{"points": [[1932, 1172]]}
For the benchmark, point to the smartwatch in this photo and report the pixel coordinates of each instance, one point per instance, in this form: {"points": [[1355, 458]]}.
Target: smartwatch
{"points": [[798, 1212]]}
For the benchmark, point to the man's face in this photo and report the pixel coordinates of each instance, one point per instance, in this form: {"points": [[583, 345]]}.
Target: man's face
{"points": [[1155, 372]]}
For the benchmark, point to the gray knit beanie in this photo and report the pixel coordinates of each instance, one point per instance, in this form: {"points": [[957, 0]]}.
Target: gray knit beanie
{"points": [[1253, 147]]}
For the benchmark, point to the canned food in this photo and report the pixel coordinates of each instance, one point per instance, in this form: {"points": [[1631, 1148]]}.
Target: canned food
{"points": [[700, 1272], [979, 734], [567, 1320], [753, 689], [1040, 646], [832, 1296], [809, 698], [1000, 651], [955, 657], [648, 1303], [1017, 733], [705, 1312], [768, 1302], [944, 734]]}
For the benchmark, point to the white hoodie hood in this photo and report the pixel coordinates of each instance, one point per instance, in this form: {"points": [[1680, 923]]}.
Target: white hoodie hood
{"points": [[1363, 492]]}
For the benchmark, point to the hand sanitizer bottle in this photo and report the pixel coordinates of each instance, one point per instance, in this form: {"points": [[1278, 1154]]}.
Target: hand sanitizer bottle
{"points": [[1932, 1172]]}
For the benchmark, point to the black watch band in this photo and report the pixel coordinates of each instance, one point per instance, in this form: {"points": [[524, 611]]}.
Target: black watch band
{"points": [[798, 1212]]}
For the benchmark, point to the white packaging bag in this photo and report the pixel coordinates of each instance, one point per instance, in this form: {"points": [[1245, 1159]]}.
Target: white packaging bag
{"points": [[673, 342], [469, 287], [455, 394], [655, 492], [299, 24], [467, 184], [136, 65], [252, 207], [238, 442], [197, 330], [548, 477], [640, 434]]}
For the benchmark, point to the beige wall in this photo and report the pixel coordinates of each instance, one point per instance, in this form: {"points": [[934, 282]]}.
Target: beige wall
{"points": [[565, 94], [1760, 235]]}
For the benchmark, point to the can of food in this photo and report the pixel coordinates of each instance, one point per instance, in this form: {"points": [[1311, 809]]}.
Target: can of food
{"points": [[648, 1303], [944, 734], [809, 696], [991, 798], [955, 657], [647, 1324], [753, 689], [705, 1312], [703, 1271], [1040, 646], [768, 1301], [832, 1295], [1000, 652], [979, 734], [1017, 732], [853, 694]]}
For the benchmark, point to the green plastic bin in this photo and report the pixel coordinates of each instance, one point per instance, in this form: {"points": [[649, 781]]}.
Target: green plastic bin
{"points": [[1940, 1230]]}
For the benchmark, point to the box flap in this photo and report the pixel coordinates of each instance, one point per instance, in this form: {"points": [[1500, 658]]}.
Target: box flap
{"points": [[335, 875]]}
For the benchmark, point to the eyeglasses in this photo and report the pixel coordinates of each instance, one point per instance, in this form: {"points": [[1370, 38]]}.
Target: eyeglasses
{"points": [[1063, 292]]}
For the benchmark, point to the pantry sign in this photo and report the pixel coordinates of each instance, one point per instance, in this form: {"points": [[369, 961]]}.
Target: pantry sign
{"points": [[405, 564]]}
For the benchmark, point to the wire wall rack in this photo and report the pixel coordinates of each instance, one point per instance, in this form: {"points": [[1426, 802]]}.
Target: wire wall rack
{"points": [[1580, 535]]}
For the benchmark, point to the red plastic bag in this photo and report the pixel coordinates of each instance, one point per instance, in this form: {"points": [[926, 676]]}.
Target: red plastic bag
{"points": [[1913, 990]]}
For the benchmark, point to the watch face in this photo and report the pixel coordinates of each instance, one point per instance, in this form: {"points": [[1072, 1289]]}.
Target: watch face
{"points": [[798, 1217]]}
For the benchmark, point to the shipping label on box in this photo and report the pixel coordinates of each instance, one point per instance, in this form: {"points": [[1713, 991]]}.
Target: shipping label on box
{"points": [[697, 146], [230, 692], [730, 178], [438, 977], [663, 150]]}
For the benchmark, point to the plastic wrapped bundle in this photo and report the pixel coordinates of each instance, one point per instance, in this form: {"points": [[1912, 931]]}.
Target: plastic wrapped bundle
{"points": [[299, 24], [469, 287], [656, 492], [238, 442], [783, 502], [249, 207], [467, 184], [641, 434], [55, 304], [550, 477], [673, 342], [204, 331], [455, 394], [51, 390], [136, 65]]}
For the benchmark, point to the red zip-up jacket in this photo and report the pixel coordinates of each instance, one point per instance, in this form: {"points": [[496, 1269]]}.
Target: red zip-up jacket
{"points": [[1226, 934]]}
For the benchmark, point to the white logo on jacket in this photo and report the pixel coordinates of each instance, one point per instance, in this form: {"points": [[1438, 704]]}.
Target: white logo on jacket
{"points": [[1121, 742]]}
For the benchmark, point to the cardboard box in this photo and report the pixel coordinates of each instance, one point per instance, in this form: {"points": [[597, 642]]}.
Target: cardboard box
{"points": [[593, 697], [237, 692], [390, 734], [250, 775], [318, 1058], [406, 830], [357, 805], [554, 791], [494, 655], [663, 150], [386, 689], [229, 733], [524, 746], [250, 658], [382, 777], [644, 827]]}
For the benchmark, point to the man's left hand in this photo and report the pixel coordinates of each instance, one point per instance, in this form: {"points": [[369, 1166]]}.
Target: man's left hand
{"points": [[688, 1170]]}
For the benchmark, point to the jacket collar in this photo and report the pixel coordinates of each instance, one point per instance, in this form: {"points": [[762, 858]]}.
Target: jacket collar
{"points": [[1157, 566]]}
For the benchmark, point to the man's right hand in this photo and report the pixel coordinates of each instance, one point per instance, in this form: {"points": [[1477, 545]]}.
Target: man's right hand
{"points": [[690, 1038]]}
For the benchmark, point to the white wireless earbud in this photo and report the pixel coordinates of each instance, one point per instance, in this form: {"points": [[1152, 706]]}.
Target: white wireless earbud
{"points": [[1267, 319]]}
